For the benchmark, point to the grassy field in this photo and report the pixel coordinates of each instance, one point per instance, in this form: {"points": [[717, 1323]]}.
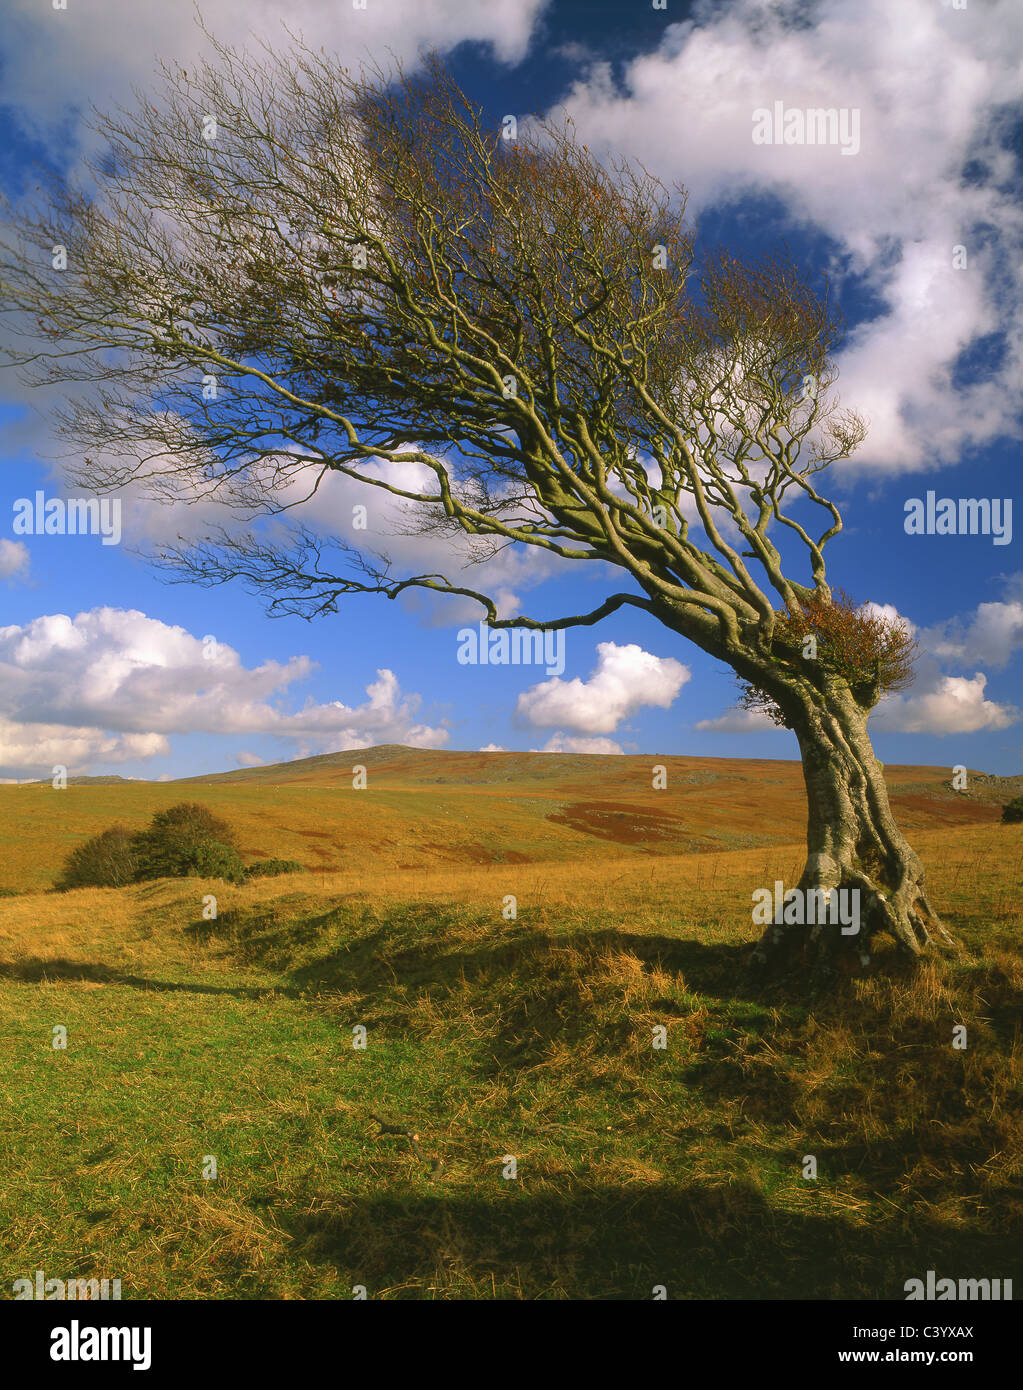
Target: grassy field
{"points": [[492, 1038], [422, 809]]}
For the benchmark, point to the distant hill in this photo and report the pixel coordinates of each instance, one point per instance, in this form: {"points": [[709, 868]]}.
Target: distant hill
{"points": [[108, 781], [469, 768], [445, 766], [425, 808]]}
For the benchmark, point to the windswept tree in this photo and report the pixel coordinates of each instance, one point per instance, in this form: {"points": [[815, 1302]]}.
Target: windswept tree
{"points": [[281, 270]]}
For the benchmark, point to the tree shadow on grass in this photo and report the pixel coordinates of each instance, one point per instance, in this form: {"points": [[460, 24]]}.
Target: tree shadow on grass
{"points": [[879, 1095], [267, 936], [433, 958], [33, 970], [376, 957], [532, 986], [700, 1241]]}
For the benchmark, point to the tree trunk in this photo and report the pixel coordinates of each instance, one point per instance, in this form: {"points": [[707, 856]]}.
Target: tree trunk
{"points": [[854, 846]]}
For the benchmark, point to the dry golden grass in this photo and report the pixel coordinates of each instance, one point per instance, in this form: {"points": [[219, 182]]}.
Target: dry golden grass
{"points": [[425, 811], [531, 1037]]}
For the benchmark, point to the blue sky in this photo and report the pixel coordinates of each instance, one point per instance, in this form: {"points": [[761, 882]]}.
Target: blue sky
{"points": [[102, 665]]}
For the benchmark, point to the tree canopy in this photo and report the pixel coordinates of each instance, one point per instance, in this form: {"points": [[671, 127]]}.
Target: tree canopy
{"points": [[287, 269]]}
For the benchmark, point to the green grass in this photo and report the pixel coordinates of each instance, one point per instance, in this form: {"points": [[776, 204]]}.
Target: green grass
{"points": [[489, 1038]]}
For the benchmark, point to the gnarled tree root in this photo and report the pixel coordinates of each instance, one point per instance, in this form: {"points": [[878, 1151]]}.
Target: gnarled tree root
{"points": [[823, 951]]}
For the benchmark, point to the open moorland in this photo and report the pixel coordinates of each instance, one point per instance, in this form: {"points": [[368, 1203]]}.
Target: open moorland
{"points": [[492, 1037]]}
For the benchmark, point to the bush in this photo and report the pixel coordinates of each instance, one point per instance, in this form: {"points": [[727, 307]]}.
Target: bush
{"points": [[211, 859], [1013, 811], [168, 847], [269, 868], [184, 841], [108, 860]]}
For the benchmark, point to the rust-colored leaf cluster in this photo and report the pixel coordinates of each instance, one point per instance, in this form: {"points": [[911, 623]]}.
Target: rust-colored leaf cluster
{"points": [[872, 653]]}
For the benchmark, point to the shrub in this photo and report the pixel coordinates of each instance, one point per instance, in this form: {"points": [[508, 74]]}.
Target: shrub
{"points": [[108, 860], [167, 848], [269, 868], [1013, 811], [211, 859]]}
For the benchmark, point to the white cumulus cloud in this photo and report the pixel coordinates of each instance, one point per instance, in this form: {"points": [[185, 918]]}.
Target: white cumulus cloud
{"points": [[738, 721], [56, 63], [624, 680], [568, 743], [957, 705], [13, 558], [111, 684], [932, 87], [990, 636]]}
